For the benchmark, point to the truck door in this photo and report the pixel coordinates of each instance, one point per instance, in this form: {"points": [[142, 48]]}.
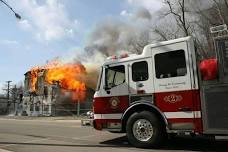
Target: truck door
{"points": [[111, 100], [140, 80], [172, 83]]}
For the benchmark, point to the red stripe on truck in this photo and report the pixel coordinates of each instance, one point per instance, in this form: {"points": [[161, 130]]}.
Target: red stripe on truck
{"points": [[102, 105]]}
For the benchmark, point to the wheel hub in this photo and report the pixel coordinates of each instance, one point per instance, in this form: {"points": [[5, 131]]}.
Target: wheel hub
{"points": [[142, 130]]}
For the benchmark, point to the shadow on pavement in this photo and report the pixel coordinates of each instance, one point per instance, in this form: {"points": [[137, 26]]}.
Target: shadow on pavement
{"points": [[178, 143], [195, 144], [60, 145]]}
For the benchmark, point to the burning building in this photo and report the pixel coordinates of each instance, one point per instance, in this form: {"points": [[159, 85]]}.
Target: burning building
{"points": [[56, 89]]}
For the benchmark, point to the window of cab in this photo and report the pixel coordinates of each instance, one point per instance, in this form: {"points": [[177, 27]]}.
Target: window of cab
{"points": [[140, 71], [170, 64]]}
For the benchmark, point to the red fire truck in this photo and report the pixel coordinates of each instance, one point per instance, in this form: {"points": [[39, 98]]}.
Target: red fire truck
{"points": [[165, 90]]}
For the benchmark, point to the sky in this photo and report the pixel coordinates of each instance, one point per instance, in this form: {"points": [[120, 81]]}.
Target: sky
{"points": [[53, 28]]}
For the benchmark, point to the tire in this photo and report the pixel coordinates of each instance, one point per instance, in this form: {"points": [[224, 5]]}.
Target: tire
{"points": [[172, 135], [210, 137], [144, 130]]}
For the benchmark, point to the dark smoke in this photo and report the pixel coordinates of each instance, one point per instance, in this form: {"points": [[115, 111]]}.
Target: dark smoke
{"points": [[143, 13], [109, 36], [112, 36]]}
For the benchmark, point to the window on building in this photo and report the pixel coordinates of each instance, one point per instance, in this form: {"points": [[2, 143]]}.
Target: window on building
{"points": [[140, 71], [114, 76], [170, 64]]}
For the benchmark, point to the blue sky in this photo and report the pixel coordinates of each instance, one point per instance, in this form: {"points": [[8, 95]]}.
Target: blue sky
{"points": [[52, 28]]}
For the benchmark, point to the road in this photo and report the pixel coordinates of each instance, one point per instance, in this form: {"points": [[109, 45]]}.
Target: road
{"points": [[69, 136]]}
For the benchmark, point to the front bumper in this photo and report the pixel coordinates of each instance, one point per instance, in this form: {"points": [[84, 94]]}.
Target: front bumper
{"points": [[86, 122]]}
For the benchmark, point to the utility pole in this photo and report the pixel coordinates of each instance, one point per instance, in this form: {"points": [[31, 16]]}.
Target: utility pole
{"points": [[8, 89], [78, 108], [14, 97], [8, 94]]}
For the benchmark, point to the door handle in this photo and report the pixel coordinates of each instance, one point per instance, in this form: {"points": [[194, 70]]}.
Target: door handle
{"points": [[184, 109], [140, 85]]}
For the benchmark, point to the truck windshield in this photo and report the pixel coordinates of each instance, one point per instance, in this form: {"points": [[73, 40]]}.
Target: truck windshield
{"points": [[114, 76]]}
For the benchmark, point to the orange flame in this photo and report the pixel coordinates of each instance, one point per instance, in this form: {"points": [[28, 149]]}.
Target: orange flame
{"points": [[34, 74], [69, 76]]}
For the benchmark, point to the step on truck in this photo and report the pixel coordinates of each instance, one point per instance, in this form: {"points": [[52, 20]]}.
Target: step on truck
{"points": [[165, 90]]}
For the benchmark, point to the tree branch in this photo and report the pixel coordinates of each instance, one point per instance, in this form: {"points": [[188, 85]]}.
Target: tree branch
{"points": [[181, 20], [226, 3], [219, 11], [161, 34]]}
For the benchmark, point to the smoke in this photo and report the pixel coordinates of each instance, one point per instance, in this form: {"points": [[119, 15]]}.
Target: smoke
{"points": [[109, 37], [92, 63], [113, 36], [143, 13]]}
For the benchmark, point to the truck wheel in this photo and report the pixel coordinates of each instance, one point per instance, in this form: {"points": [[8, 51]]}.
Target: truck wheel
{"points": [[145, 130], [172, 135]]}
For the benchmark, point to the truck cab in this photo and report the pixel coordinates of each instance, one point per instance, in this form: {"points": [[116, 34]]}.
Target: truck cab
{"points": [[159, 92]]}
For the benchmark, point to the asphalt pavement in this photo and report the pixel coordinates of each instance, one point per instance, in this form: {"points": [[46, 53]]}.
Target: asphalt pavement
{"points": [[58, 135]]}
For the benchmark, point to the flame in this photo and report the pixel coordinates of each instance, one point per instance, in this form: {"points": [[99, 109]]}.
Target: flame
{"points": [[68, 76], [34, 74]]}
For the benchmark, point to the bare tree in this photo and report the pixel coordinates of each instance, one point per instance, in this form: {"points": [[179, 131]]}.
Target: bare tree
{"points": [[179, 14], [195, 20], [161, 33], [226, 3], [219, 10], [214, 14], [167, 28], [138, 42]]}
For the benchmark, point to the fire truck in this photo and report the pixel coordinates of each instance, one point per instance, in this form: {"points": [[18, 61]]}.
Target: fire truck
{"points": [[165, 90]]}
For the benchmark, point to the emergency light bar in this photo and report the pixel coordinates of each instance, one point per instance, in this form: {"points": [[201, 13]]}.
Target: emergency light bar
{"points": [[114, 57]]}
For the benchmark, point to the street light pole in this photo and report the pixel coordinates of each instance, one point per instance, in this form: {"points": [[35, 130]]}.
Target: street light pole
{"points": [[16, 14]]}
